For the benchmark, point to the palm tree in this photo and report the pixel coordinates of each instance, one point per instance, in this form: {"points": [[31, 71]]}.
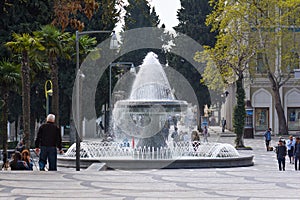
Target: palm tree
{"points": [[9, 77], [24, 44], [55, 43]]}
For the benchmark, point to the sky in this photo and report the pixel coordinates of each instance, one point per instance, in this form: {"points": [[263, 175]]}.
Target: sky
{"points": [[167, 11]]}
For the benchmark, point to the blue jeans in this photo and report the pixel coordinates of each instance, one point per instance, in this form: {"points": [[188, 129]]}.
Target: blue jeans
{"points": [[50, 154]]}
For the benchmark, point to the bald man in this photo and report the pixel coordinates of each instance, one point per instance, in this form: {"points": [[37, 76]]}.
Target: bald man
{"points": [[47, 141]]}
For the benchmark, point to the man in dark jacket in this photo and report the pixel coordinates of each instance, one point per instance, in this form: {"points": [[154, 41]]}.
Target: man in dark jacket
{"points": [[48, 139], [281, 153]]}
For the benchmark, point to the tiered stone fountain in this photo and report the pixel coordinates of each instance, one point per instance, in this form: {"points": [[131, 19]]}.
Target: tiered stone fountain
{"points": [[138, 126]]}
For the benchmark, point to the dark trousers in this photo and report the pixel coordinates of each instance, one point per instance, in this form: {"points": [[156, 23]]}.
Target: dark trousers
{"points": [[267, 144], [290, 154], [297, 159], [281, 162], [50, 154]]}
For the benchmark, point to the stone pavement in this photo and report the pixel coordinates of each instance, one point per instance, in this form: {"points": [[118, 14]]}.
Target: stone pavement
{"points": [[261, 181]]}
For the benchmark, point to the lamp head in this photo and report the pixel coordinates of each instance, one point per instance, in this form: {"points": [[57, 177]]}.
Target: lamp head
{"points": [[132, 69], [50, 92], [114, 44]]}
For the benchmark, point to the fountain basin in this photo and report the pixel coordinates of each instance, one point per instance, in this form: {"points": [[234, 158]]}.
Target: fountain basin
{"points": [[182, 163], [179, 155]]}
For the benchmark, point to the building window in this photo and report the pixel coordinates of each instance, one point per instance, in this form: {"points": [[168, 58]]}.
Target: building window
{"points": [[293, 117], [261, 119], [249, 118]]}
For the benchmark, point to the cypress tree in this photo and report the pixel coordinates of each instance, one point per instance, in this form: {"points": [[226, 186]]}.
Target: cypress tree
{"points": [[191, 16]]}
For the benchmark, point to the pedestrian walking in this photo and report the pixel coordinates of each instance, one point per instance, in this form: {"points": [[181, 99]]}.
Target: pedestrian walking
{"points": [[281, 151], [297, 153], [268, 138], [223, 125], [290, 144], [47, 141]]}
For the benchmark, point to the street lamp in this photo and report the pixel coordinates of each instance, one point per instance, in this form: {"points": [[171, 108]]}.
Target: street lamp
{"points": [[48, 92], [113, 45]]}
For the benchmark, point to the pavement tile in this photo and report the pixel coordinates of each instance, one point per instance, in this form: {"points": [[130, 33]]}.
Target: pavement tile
{"points": [[261, 181]]}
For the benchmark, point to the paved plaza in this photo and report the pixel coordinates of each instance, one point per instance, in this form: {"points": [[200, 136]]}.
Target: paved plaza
{"points": [[261, 181]]}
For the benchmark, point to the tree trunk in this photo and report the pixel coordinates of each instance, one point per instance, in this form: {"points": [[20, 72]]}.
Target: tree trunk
{"points": [[4, 126], [55, 96], [32, 127], [283, 130], [239, 113], [26, 99]]}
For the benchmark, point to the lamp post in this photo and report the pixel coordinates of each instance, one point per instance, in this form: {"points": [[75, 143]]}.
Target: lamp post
{"points": [[113, 45], [48, 92]]}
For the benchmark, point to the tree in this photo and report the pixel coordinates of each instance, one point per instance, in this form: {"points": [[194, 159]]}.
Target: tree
{"points": [[269, 31], [104, 18], [191, 18], [55, 43], [20, 16], [231, 54], [24, 44], [274, 23], [9, 77], [139, 14], [69, 12]]}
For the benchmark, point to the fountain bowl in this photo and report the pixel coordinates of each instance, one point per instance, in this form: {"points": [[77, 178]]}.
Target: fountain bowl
{"points": [[182, 163], [120, 156]]}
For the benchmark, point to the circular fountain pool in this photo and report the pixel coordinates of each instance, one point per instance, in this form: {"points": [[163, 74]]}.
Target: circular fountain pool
{"points": [[143, 121], [179, 155]]}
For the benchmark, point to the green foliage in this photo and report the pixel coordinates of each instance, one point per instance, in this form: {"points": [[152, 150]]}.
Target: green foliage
{"points": [[19, 16], [9, 77], [232, 53], [192, 23], [192, 17], [263, 35], [104, 18], [24, 45], [139, 14], [193, 77], [211, 77], [57, 46]]}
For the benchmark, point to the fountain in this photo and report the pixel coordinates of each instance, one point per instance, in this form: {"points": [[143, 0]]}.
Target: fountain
{"points": [[141, 125]]}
